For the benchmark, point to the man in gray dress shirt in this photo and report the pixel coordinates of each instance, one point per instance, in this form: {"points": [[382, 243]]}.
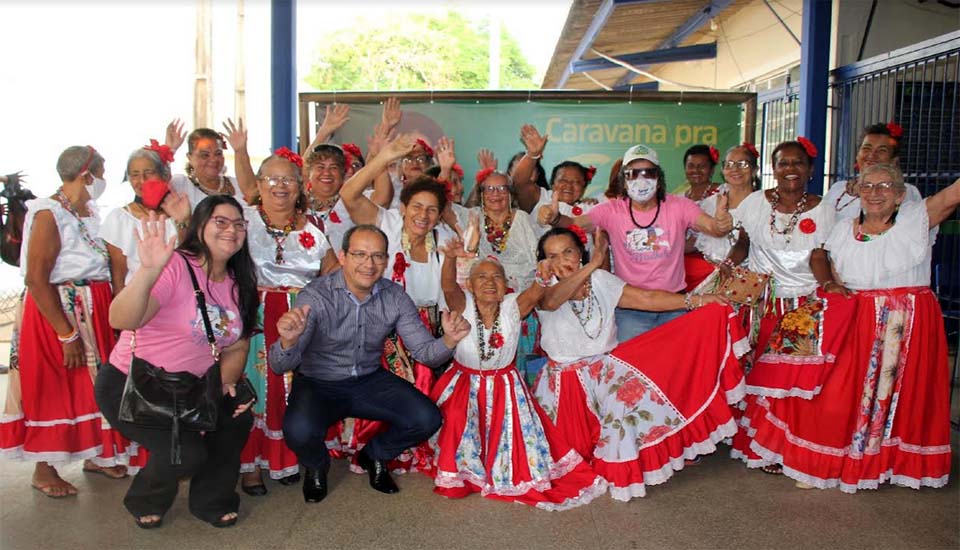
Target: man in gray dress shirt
{"points": [[333, 340]]}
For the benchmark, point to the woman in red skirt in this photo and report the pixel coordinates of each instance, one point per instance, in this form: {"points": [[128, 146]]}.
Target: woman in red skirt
{"points": [[65, 335], [495, 439], [640, 411], [882, 414]]}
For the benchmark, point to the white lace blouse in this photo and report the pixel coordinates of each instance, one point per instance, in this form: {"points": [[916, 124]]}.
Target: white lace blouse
{"points": [[468, 352]]}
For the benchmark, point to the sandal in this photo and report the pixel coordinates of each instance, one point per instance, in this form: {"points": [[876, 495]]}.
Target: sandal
{"points": [[108, 471], [141, 523], [772, 469], [228, 522]]}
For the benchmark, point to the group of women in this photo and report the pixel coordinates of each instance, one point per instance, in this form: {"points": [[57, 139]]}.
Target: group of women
{"points": [[847, 383]]}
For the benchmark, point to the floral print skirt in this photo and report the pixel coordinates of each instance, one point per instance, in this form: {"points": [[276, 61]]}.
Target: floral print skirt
{"points": [[655, 401], [496, 441], [883, 413]]}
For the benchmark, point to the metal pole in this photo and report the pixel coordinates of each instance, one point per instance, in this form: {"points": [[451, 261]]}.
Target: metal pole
{"points": [[814, 81], [283, 72]]}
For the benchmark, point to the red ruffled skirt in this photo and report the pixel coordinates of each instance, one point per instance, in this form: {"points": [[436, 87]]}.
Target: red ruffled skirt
{"points": [[497, 441], [696, 269], [657, 400], [265, 448], [51, 414], [883, 412]]}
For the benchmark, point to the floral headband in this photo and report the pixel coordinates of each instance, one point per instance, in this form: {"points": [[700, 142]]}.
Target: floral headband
{"points": [[714, 154], [285, 153], [579, 232], [426, 147], [751, 148], [808, 146], [896, 131], [484, 174], [590, 172], [164, 152], [352, 149]]}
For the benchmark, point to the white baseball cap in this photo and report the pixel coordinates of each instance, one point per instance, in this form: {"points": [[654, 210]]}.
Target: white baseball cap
{"points": [[640, 151]]}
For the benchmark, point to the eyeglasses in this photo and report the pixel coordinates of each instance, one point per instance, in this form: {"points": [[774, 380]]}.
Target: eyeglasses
{"points": [[419, 159], [634, 173], [879, 187], [284, 181], [379, 258], [240, 226], [737, 164], [491, 189]]}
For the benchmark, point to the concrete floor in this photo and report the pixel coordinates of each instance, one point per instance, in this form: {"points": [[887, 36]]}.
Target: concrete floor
{"points": [[718, 504]]}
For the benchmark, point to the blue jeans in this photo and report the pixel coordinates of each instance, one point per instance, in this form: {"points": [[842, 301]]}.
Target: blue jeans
{"points": [[632, 322]]}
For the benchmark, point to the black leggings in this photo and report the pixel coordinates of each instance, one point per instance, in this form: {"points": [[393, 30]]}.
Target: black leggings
{"points": [[210, 460]]}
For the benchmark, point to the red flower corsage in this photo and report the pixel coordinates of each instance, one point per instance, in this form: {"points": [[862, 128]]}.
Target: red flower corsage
{"points": [[426, 147], [591, 171], [496, 340], [166, 155], [577, 211], [808, 146], [458, 169], [714, 154], [751, 148], [484, 174], [895, 129], [807, 226], [334, 217], [306, 240], [285, 153], [579, 232], [400, 266], [353, 150]]}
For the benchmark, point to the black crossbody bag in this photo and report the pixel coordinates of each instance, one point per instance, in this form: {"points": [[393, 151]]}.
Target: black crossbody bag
{"points": [[155, 398]]}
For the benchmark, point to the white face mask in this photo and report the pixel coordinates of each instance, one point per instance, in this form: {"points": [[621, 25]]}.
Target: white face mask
{"points": [[641, 189], [96, 188]]}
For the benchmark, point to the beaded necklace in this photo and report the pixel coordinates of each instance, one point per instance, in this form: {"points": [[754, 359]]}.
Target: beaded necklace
{"points": [[226, 188], [794, 217], [487, 346], [96, 244], [583, 310], [708, 190], [497, 236], [430, 242], [279, 235], [634, 220], [325, 205]]}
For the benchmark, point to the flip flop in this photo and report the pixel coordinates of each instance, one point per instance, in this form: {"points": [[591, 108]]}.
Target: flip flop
{"points": [[106, 471], [772, 469], [148, 524], [47, 490]]}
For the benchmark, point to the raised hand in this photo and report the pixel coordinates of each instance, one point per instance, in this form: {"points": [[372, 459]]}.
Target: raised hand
{"points": [[548, 213], [601, 244], [471, 236], [486, 159], [446, 154], [399, 146], [722, 214], [291, 325], [455, 328], [532, 140], [391, 113], [176, 206], [175, 134], [375, 143], [335, 116], [153, 248], [236, 134], [454, 248]]}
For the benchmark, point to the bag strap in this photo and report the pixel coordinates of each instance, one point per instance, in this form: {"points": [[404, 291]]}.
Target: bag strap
{"points": [[202, 304]]}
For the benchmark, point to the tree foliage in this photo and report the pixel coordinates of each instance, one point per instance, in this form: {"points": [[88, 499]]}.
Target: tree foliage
{"points": [[416, 52]]}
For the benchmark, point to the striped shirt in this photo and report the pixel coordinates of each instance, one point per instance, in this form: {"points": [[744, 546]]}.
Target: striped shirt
{"points": [[344, 335]]}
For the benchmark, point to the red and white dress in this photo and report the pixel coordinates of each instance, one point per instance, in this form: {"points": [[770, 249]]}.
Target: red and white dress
{"points": [[883, 412], [495, 439], [57, 419], [638, 411], [278, 283]]}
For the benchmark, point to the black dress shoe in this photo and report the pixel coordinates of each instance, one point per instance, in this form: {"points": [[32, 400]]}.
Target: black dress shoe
{"points": [[254, 490], [379, 473], [290, 479], [314, 485]]}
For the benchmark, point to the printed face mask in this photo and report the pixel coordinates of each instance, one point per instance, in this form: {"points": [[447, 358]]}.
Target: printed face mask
{"points": [[641, 189]]}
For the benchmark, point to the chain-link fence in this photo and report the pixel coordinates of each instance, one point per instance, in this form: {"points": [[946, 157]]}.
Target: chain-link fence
{"points": [[8, 306]]}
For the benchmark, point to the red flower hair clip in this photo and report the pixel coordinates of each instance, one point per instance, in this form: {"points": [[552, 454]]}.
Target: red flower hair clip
{"points": [[306, 240], [347, 159], [751, 148], [579, 232], [164, 152], [591, 171], [714, 154], [458, 169], [896, 131], [807, 226], [484, 174], [285, 153], [426, 147], [808, 146], [352, 149]]}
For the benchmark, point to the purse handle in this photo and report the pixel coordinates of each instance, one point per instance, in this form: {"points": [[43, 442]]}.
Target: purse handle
{"points": [[202, 304]]}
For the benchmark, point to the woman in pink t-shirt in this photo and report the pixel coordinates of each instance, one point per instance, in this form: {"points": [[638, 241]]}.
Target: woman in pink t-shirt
{"points": [[647, 229], [159, 307]]}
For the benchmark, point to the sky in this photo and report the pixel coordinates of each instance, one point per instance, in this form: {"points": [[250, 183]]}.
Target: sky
{"points": [[111, 74]]}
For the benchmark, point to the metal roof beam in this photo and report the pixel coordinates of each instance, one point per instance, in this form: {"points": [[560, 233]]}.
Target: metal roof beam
{"points": [[670, 55], [684, 31], [600, 18], [651, 86]]}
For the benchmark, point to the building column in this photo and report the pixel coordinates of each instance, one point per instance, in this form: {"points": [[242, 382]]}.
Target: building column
{"points": [[283, 72], [814, 81]]}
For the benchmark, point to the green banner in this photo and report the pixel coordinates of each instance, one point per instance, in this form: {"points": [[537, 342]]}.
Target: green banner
{"points": [[590, 132]]}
